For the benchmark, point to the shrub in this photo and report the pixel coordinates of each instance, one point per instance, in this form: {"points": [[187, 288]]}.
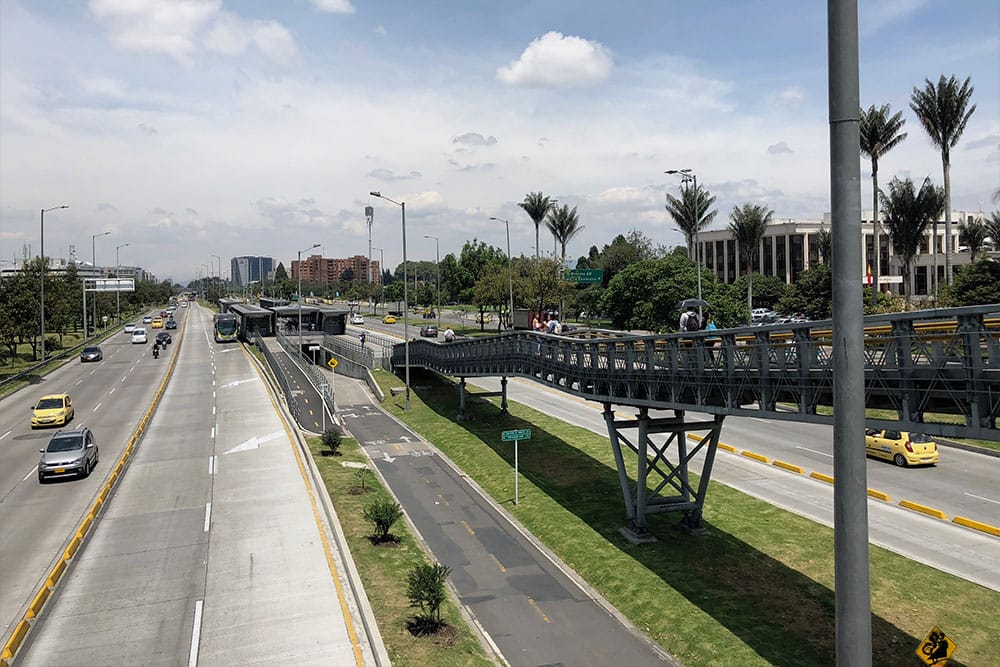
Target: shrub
{"points": [[331, 440], [363, 475], [426, 591], [382, 514]]}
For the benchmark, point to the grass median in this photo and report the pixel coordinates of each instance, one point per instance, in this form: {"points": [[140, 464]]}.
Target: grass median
{"points": [[756, 589]]}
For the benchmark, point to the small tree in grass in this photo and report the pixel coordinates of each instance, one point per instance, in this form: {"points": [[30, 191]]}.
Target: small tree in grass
{"points": [[382, 514], [426, 590], [331, 440], [364, 476]]}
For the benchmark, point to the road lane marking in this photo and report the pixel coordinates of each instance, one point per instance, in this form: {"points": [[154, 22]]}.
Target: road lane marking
{"points": [[208, 515], [30, 472], [810, 450], [989, 500], [499, 564], [5, 435], [446, 503], [213, 410], [124, 377], [78, 382], [539, 610], [467, 527], [112, 390], [213, 433], [98, 406], [211, 465], [195, 635]]}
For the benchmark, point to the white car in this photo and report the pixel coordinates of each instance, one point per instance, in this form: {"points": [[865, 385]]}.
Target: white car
{"points": [[139, 336], [357, 318], [129, 328]]}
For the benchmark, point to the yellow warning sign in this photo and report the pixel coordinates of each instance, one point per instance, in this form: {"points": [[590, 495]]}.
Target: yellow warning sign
{"points": [[936, 648], [332, 363]]}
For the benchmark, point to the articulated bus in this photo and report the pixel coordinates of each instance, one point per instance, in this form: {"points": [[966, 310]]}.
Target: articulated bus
{"points": [[226, 327]]}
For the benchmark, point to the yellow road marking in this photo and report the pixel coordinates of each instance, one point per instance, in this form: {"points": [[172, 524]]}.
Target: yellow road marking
{"points": [[499, 564], [539, 610], [468, 527], [443, 500]]}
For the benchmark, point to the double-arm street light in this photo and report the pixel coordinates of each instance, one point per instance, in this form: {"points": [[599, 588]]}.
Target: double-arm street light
{"points": [[314, 245], [118, 271], [406, 302], [437, 264], [45, 265], [510, 273], [689, 175], [381, 286], [93, 262]]}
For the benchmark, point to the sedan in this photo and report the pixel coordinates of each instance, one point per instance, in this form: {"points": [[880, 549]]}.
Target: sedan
{"points": [[129, 328], [357, 318], [91, 354], [163, 338], [69, 453], [157, 323], [52, 410], [139, 336], [389, 319], [901, 447], [170, 324], [429, 331], [148, 319]]}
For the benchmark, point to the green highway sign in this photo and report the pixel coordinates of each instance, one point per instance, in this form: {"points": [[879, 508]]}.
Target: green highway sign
{"points": [[585, 275], [519, 434]]}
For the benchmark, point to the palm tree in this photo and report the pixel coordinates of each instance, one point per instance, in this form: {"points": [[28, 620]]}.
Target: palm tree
{"points": [[974, 234], [993, 228], [824, 241], [944, 110], [687, 208], [880, 133], [907, 214], [747, 227], [564, 224], [537, 206]]}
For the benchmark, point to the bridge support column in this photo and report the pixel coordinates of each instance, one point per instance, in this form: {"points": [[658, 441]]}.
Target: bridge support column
{"points": [[503, 396], [662, 485], [461, 399]]}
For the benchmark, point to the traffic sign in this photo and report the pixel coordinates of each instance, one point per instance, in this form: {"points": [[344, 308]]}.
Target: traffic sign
{"points": [[518, 434], [936, 649], [332, 363], [585, 275]]}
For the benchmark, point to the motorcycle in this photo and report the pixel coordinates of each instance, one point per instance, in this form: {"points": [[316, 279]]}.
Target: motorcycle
{"points": [[156, 352]]}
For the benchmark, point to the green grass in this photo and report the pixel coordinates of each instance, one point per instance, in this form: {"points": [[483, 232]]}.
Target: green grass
{"points": [[756, 589], [384, 569]]}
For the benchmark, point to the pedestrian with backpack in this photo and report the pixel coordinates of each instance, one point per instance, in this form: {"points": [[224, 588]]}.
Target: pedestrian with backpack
{"points": [[690, 320]]}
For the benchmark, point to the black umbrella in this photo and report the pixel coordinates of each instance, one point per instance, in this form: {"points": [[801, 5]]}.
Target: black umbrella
{"points": [[692, 303]]}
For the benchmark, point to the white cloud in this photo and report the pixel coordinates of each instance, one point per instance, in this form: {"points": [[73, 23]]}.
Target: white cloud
{"points": [[790, 97], [474, 139], [388, 175], [334, 6], [877, 14], [778, 148], [380, 30], [555, 59]]}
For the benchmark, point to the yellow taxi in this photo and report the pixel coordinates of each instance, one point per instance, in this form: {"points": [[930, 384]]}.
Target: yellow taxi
{"points": [[157, 322], [52, 410], [901, 447], [389, 319]]}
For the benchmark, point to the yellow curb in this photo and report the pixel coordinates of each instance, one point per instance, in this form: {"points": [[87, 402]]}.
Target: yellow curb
{"points": [[56, 573], [929, 511], [755, 457], [787, 466], [977, 525], [15, 640], [73, 546], [39, 601], [85, 526], [728, 448], [822, 477], [880, 495]]}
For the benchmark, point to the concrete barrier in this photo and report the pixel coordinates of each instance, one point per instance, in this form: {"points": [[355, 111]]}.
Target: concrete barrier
{"points": [[74, 544], [924, 509], [729, 448], [977, 525], [85, 526], [879, 495], [36, 605], [56, 573], [822, 477], [787, 466], [755, 457], [14, 643]]}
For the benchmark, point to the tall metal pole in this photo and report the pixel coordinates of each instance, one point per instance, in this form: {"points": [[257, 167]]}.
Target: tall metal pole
{"points": [[219, 274], [45, 265], [118, 271], [381, 286], [93, 262], [688, 175], [437, 265], [852, 604], [314, 245], [370, 217], [510, 275], [406, 302]]}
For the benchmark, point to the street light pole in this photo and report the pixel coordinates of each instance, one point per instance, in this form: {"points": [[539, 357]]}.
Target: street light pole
{"points": [[406, 302], [45, 266], [93, 262], [369, 217], [314, 245], [687, 174], [510, 273], [381, 287], [219, 274], [118, 294], [437, 265]]}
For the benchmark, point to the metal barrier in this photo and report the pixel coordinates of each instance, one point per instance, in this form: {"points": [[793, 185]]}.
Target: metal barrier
{"points": [[290, 398]]}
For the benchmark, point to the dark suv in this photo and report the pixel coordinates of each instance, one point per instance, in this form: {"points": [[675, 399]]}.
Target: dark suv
{"points": [[69, 454]]}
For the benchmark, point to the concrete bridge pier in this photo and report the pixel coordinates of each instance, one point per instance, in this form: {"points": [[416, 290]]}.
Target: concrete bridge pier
{"points": [[653, 461]]}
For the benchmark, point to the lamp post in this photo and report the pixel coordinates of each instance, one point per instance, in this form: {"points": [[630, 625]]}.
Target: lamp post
{"points": [[510, 272], [369, 217], [93, 262], [314, 245], [219, 274], [406, 302], [118, 294], [437, 265], [381, 286], [688, 174], [45, 266]]}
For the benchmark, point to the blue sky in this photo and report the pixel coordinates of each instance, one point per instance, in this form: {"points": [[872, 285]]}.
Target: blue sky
{"points": [[194, 128]]}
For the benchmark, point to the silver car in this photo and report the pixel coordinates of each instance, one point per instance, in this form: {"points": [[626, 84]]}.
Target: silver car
{"points": [[69, 454]]}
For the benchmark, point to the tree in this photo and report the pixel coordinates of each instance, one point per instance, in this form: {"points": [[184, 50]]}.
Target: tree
{"points": [[973, 234], [280, 273], [767, 290], [825, 241], [748, 225], [880, 133], [811, 294], [993, 227], [691, 212], [425, 589], [564, 224], [907, 214], [382, 514], [975, 284], [944, 111], [623, 251], [331, 440], [537, 206]]}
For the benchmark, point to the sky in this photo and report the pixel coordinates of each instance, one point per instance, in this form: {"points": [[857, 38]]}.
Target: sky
{"points": [[191, 129]]}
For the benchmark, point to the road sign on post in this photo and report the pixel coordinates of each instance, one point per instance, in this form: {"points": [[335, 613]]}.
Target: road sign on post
{"points": [[585, 275], [519, 434], [332, 363]]}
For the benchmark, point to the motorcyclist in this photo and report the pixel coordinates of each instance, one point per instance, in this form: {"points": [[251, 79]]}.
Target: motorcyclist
{"points": [[156, 350]]}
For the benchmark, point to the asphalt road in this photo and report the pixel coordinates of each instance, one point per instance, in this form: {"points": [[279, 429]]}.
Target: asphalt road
{"points": [[36, 520]]}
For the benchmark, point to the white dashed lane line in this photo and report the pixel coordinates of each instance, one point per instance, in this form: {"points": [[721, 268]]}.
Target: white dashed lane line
{"points": [[814, 451], [989, 500], [98, 406], [5, 435]]}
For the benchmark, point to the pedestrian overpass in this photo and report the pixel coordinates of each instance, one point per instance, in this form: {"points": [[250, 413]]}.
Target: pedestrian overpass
{"points": [[936, 371]]}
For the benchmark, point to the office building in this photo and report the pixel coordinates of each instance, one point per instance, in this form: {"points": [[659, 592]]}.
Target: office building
{"points": [[248, 269]]}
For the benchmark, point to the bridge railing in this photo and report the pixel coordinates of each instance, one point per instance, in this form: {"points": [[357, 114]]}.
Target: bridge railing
{"points": [[917, 364]]}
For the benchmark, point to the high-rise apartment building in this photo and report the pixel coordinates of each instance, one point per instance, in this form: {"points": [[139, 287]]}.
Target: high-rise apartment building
{"points": [[322, 270], [248, 269]]}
